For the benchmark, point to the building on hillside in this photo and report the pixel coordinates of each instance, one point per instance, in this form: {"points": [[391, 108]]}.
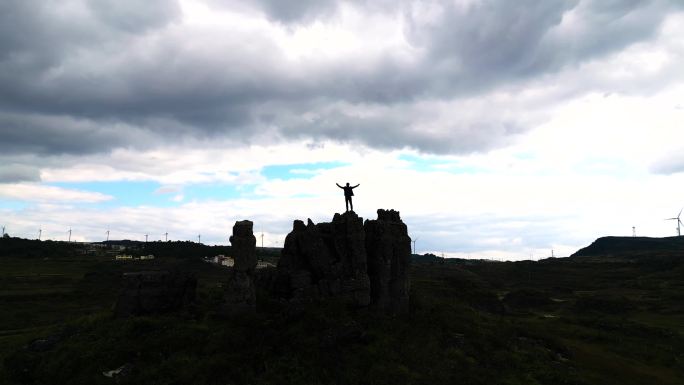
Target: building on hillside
{"points": [[264, 264], [125, 257], [228, 261], [221, 260]]}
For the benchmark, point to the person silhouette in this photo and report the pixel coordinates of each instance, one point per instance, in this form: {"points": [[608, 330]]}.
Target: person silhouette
{"points": [[348, 194]]}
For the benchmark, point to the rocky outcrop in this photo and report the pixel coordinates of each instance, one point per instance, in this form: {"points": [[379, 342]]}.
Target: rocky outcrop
{"points": [[240, 294], [154, 292], [388, 247], [362, 264], [325, 260]]}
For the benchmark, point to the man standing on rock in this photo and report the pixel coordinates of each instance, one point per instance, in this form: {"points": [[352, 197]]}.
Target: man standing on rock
{"points": [[348, 194]]}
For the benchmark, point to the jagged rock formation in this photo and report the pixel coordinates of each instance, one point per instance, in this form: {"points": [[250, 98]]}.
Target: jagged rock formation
{"points": [[240, 294], [154, 292], [389, 251], [332, 260], [325, 260]]}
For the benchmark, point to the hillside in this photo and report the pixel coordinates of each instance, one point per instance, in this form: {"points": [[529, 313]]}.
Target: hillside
{"points": [[581, 320], [625, 246]]}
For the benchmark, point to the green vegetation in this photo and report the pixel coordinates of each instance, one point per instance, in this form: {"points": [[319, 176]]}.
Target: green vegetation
{"points": [[580, 320]]}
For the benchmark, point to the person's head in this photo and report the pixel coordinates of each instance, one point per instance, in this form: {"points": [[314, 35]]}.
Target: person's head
{"points": [[347, 184]]}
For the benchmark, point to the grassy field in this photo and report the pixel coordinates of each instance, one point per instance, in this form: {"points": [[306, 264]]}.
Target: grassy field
{"points": [[581, 320]]}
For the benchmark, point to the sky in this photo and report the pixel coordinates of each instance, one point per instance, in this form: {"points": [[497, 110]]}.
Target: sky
{"points": [[499, 129]]}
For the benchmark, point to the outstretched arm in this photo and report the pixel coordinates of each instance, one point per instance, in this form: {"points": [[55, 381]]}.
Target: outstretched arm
{"points": [[357, 185], [338, 185]]}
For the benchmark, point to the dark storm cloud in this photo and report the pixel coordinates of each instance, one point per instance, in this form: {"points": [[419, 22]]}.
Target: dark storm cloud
{"points": [[372, 130], [90, 76], [292, 11], [47, 134], [135, 16], [495, 42], [304, 11], [13, 173]]}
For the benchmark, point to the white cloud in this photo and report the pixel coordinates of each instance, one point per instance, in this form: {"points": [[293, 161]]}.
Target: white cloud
{"points": [[547, 132], [29, 192]]}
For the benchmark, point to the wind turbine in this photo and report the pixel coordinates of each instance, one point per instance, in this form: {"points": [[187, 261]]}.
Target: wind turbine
{"points": [[679, 222], [199, 238], [414, 245], [166, 236], [107, 235], [146, 237], [40, 232], [69, 235]]}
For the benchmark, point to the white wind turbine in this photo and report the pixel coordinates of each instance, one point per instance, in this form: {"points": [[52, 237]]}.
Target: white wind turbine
{"points": [[679, 222]]}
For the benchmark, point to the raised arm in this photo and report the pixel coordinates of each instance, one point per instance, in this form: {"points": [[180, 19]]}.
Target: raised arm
{"points": [[338, 185], [357, 185]]}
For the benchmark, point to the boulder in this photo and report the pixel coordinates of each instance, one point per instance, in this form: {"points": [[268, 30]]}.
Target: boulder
{"points": [[154, 292]]}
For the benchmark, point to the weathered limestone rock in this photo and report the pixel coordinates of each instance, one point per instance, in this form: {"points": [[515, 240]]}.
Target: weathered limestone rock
{"points": [[240, 292], [325, 260], [361, 264], [154, 292], [304, 249], [304, 260], [389, 250], [345, 236], [243, 245]]}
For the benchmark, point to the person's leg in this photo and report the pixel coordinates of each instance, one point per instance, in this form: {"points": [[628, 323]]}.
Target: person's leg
{"points": [[351, 203], [346, 203]]}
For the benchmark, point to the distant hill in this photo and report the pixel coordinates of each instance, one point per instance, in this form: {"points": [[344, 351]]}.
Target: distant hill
{"points": [[426, 258], [33, 248], [606, 246]]}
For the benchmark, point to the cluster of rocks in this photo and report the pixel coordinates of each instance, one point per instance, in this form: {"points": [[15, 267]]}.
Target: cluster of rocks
{"points": [[154, 292], [361, 263]]}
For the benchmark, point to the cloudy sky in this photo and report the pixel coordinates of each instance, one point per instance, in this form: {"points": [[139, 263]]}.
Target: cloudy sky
{"points": [[497, 128]]}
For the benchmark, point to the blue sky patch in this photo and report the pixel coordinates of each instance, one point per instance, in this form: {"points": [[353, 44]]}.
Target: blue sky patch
{"points": [[216, 191], [298, 171], [431, 164], [125, 193], [11, 204], [145, 193]]}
